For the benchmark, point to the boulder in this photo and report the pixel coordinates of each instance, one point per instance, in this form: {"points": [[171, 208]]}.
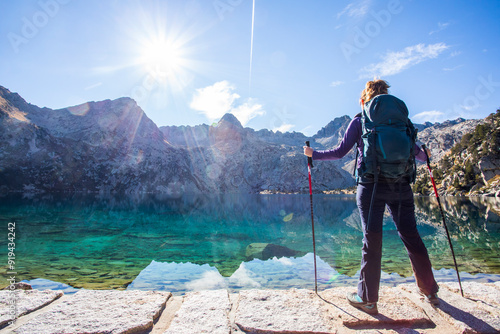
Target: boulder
{"points": [[489, 168], [266, 251]]}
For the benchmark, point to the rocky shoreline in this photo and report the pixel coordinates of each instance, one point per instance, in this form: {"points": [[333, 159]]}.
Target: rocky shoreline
{"points": [[401, 310]]}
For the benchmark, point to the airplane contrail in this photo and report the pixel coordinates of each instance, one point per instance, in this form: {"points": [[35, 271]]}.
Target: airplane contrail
{"points": [[251, 48]]}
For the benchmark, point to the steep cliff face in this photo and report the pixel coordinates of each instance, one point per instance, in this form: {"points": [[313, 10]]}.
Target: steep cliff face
{"points": [[332, 134], [108, 146], [441, 137], [112, 146], [471, 165]]}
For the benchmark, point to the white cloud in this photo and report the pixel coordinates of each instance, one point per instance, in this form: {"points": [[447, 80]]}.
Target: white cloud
{"points": [[441, 26], [429, 116], [471, 107], [357, 10], [217, 100], [283, 128], [248, 110], [396, 62], [336, 83], [214, 101], [346, 10], [93, 86], [452, 68]]}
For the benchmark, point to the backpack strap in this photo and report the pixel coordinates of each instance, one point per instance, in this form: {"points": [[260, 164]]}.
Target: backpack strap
{"points": [[376, 166], [356, 160]]}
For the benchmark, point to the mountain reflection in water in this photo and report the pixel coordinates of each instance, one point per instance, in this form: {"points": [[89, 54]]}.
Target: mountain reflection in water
{"points": [[144, 242]]}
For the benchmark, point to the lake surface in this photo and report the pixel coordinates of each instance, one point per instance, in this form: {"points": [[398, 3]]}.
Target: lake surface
{"points": [[205, 242]]}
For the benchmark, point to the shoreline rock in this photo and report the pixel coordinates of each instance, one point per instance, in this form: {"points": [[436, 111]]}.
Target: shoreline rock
{"points": [[401, 310]]}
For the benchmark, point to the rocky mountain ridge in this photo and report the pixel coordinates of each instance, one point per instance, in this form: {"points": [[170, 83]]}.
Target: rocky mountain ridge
{"points": [[97, 146], [112, 146], [472, 165]]}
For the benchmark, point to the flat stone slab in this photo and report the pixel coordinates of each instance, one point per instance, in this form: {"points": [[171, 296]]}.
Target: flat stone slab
{"points": [[488, 293], [394, 310], [16, 303], [294, 311], [279, 311], [203, 312], [100, 311], [470, 314]]}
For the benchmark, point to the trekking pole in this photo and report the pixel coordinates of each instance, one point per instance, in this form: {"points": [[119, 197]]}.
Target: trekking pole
{"points": [[442, 215], [309, 166]]}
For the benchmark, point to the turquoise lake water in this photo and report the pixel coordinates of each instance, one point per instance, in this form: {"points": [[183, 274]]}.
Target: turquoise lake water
{"points": [[206, 242]]}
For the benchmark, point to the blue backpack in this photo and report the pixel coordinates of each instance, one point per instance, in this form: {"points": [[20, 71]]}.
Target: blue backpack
{"points": [[389, 138]]}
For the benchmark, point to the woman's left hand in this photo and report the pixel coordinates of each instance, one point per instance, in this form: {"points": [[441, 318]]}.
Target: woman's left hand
{"points": [[308, 151]]}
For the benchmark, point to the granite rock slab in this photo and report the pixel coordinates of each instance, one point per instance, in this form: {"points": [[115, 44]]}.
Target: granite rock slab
{"points": [[25, 301], [203, 312], [279, 311], [487, 293], [394, 310], [470, 314], [100, 311]]}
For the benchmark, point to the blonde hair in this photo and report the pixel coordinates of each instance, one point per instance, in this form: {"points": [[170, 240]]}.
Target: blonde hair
{"points": [[374, 88]]}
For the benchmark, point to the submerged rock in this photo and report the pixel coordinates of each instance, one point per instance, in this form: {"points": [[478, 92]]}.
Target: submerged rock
{"points": [[265, 251]]}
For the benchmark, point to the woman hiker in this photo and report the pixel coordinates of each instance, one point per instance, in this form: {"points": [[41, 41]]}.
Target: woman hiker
{"points": [[398, 197]]}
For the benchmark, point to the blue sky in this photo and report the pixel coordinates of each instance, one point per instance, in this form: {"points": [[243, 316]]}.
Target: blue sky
{"points": [[187, 62]]}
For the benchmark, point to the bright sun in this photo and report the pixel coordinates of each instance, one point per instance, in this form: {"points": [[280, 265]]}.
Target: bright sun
{"points": [[162, 58]]}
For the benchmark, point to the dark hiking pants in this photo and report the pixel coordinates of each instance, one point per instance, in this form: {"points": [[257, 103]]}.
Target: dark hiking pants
{"points": [[399, 200]]}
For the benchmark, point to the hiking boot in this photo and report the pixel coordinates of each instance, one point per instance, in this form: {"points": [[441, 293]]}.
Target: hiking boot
{"points": [[431, 299], [356, 301]]}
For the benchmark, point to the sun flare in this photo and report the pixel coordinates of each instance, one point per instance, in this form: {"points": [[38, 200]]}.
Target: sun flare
{"points": [[162, 58], [163, 51]]}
